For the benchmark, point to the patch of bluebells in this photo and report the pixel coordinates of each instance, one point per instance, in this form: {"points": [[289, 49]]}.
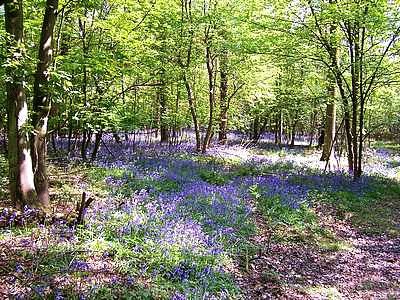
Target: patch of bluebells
{"points": [[58, 295], [78, 265], [382, 162], [8, 217], [200, 218], [178, 296], [39, 290], [181, 272]]}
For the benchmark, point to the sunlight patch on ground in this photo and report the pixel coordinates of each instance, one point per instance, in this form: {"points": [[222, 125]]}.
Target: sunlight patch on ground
{"points": [[324, 292], [334, 245]]}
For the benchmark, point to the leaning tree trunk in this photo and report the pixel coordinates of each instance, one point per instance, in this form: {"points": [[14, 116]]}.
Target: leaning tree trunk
{"points": [[211, 98], [224, 106], [42, 102], [22, 187]]}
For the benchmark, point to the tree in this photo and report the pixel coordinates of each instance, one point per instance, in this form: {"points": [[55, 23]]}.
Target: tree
{"points": [[21, 178], [42, 102], [362, 23]]}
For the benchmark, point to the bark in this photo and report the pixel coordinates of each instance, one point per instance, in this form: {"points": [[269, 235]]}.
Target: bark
{"points": [[70, 125], [42, 102], [175, 133], [347, 128], [96, 145], [116, 137], [22, 188], [211, 98], [85, 50], [258, 128], [186, 15], [193, 113], [331, 50], [255, 132], [293, 133], [346, 106], [164, 131], [280, 129], [223, 123], [312, 131], [362, 106], [330, 129], [83, 145], [262, 129], [355, 81], [330, 126]]}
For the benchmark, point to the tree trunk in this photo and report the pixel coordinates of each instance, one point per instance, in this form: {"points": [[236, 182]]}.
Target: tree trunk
{"points": [[22, 187], [330, 126], [83, 145], [355, 81], [262, 129], [211, 98], [280, 129], [192, 112], [362, 105], [223, 123], [312, 131], [96, 145], [349, 139], [347, 118], [255, 132], [85, 50], [42, 102], [162, 99], [293, 134]]}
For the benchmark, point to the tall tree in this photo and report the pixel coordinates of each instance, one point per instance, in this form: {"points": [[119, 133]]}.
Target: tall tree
{"points": [[22, 188], [42, 101], [330, 122], [223, 98]]}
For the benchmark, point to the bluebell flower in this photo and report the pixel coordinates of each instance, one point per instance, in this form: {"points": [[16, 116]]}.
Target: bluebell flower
{"points": [[19, 268], [178, 296], [78, 265]]}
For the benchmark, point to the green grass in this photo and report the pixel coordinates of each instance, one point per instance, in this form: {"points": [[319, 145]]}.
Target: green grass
{"points": [[213, 177], [297, 225], [377, 212], [386, 145]]}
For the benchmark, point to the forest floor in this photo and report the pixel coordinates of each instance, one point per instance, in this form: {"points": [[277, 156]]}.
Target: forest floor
{"points": [[238, 223]]}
